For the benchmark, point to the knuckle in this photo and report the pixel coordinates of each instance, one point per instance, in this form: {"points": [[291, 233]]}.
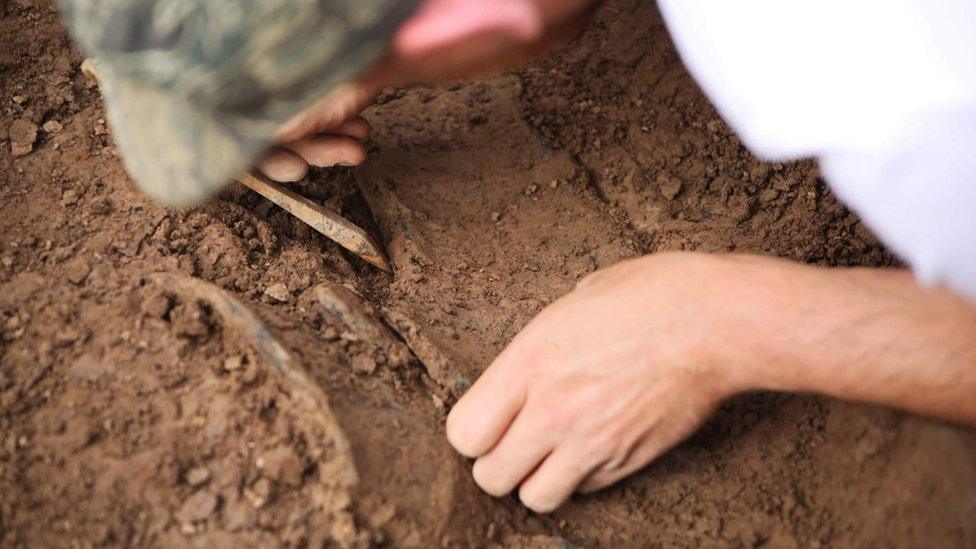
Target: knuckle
{"points": [[603, 446], [597, 449], [566, 405], [559, 415]]}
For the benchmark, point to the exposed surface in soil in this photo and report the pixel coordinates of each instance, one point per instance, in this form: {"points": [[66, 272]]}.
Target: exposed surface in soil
{"points": [[222, 375]]}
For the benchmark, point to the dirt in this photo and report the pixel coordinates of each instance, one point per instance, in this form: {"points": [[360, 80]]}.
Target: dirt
{"points": [[224, 375]]}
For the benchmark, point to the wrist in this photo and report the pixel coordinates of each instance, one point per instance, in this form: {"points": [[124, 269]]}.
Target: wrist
{"points": [[776, 321], [821, 330]]}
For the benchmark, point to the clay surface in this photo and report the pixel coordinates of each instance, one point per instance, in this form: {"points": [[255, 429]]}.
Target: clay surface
{"points": [[226, 376]]}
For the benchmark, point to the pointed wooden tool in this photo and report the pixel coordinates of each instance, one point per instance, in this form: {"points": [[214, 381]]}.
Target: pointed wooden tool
{"points": [[330, 224]]}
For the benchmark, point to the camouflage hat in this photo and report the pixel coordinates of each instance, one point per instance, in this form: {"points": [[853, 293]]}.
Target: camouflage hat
{"points": [[195, 89]]}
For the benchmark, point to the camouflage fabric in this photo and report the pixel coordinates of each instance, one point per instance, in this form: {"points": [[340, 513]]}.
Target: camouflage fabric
{"points": [[195, 89]]}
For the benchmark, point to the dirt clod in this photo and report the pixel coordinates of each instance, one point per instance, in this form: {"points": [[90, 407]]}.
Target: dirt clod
{"points": [[77, 270], [259, 493], [23, 134], [278, 292], [198, 507], [156, 305], [233, 363], [197, 476], [284, 466], [89, 368], [669, 186], [52, 126], [364, 364]]}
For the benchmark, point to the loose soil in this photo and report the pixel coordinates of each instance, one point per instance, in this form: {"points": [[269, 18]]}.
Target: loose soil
{"points": [[226, 376]]}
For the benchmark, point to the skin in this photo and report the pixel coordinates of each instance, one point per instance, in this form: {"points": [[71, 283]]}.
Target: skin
{"points": [[634, 360]]}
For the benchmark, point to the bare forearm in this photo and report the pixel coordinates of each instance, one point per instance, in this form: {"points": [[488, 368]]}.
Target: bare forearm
{"points": [[874, 336]]}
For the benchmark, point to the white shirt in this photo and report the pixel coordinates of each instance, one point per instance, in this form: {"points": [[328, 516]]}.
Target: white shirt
{"points": [[881, 92]]}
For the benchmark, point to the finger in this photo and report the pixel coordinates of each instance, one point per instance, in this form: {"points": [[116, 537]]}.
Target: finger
{"points": [[526, 443], [283, 165], [325, 151], [555, 480], [480, 418], [357, 127], [339, 105]]}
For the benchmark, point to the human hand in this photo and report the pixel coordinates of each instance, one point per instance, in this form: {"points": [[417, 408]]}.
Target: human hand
{"points": [[330, 133], [612, 375], [445, 39]]}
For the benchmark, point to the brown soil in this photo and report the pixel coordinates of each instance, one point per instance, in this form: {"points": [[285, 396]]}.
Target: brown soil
{"points": [[207, 377]]}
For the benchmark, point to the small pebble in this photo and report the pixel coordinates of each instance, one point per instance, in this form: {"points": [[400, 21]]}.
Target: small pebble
{"points": [[70, 197], [259, 493], [278, 292], [52, 126], [199, 506], [77, 270], [363, 364], [233, 363], [197, 476], [284, 465], [156, 305]]}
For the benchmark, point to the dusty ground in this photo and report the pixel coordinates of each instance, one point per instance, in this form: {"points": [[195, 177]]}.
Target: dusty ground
{"points": [[140, 405]]}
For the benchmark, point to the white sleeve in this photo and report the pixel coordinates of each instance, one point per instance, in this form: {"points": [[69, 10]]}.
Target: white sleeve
{"points": [[882, 92]]}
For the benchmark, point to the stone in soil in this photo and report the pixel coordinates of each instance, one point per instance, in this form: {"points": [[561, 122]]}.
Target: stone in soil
{"points": [[278, 292], [198, 507], [197, 476]]}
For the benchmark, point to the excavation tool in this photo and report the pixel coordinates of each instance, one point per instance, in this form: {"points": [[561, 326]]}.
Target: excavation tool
{"points": [[329, 224]]}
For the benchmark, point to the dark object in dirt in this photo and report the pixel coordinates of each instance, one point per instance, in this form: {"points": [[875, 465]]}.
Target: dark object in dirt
{"points": [[364, 323]]}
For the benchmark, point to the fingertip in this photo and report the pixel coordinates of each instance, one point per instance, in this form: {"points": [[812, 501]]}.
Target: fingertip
{"points": [[283, 166], [531, 497], [469, 436], [482, 416], [488, 481], [357, 155], [554, 481], [538, 506]]}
